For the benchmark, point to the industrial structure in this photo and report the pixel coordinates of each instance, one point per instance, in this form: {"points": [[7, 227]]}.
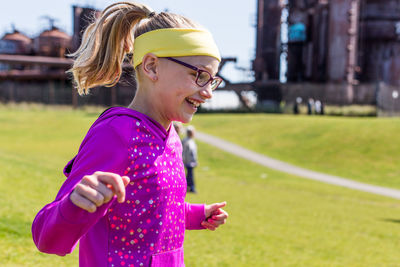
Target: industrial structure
{"points": [[339, 51], [34, 70]]}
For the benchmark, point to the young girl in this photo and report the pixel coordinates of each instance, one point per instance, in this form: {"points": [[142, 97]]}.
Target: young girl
{"points": [[123, 198]]}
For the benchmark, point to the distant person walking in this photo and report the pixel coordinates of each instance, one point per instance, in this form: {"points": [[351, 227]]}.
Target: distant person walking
{"points": [[318, 107], [322, 108], [190, 157], [310, 106], [296, 105]]}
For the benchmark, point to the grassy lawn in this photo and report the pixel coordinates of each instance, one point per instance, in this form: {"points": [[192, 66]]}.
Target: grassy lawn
{"points": [[363, 149], [280, 220], [275, 219]]}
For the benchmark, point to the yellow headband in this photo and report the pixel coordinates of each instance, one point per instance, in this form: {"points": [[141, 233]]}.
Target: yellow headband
{"points": [[174, 42]]}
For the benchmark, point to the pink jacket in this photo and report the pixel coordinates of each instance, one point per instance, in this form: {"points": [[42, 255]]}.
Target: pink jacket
{"points": [[148, 228]]}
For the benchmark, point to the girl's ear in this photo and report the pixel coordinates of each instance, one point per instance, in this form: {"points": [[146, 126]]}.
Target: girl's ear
{"points": [[150, 66]]}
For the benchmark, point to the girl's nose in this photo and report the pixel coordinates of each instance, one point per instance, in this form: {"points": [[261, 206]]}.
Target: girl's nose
{"points": [[206, 92]]}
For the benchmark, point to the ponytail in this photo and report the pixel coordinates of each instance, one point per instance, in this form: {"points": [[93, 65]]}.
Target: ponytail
{"points": [[105, 43]]}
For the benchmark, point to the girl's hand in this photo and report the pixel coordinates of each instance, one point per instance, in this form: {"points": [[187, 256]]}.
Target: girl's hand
{"points": [[215, 216], [97, 189]]}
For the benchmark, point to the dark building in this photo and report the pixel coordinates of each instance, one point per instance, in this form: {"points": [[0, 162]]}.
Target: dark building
{"points": [[342, 51], [34, 70], [52, 43], [83, 16], [16, 43], [266, 65]]}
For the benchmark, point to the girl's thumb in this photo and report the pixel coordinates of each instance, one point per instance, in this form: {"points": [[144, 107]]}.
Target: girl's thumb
{"points": [[126, 180]]}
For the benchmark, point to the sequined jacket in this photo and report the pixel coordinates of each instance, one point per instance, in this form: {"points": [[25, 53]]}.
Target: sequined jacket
{"points": [[148, 228]]}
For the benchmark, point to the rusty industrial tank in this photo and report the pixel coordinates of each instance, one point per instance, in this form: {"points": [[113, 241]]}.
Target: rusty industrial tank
{"points": [[16, 43], [53, 43]]}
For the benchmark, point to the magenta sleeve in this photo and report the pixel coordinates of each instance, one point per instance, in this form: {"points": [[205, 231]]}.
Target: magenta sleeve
{"points": [[58, 227], [194, 216]]}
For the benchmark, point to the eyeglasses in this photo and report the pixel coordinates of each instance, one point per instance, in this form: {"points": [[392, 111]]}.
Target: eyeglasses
{"points": [[203, 77]]}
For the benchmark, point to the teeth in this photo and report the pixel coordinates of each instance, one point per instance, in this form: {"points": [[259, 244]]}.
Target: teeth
{"points": [[193, 102]]}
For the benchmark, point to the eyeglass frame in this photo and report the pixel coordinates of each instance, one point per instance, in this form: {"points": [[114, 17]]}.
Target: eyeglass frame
{"points": [[199, 71]]}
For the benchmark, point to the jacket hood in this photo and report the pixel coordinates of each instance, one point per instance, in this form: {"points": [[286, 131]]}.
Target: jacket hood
{"points": [[119, 111]]}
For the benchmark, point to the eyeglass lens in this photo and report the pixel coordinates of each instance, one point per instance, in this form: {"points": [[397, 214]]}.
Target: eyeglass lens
{"points": [[215, 83], [203, 78]]}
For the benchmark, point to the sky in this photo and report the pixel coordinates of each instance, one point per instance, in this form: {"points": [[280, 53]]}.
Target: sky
{"points": [[230, 21]]}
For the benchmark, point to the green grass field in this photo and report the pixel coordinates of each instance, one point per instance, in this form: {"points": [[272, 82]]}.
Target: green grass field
{"points": [[363, 149], [275, 219]]}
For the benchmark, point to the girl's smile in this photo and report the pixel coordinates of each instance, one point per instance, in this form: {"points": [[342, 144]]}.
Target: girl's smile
{"points": [[171, 92]]}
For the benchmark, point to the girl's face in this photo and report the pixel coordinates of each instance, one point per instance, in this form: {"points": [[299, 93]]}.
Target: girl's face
{"points": [[178, 95]]}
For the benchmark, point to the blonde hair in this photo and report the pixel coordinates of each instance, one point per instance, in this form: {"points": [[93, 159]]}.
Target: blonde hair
{"points": [[107, 41]]}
